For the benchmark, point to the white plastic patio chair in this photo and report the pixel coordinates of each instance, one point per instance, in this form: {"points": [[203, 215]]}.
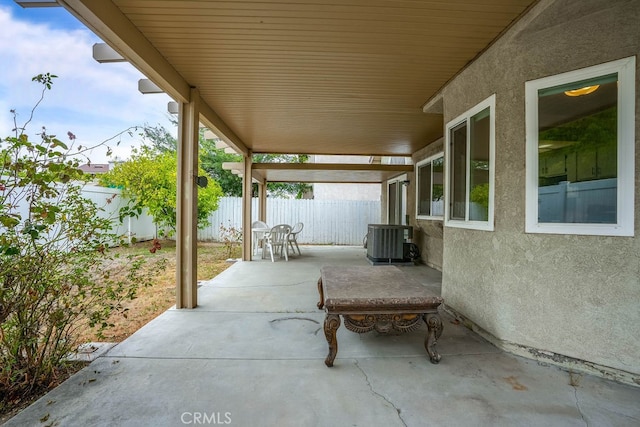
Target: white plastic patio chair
{"points": [[276, 241], [293, 236]]}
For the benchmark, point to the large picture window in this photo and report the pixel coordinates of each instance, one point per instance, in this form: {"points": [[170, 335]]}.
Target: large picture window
{"points": [[430, 188], [580, 150], [470, 148]]}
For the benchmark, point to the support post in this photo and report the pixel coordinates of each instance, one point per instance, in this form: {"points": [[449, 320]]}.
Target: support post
{"points": [[246, 208], [187, 203], [262, 198]]}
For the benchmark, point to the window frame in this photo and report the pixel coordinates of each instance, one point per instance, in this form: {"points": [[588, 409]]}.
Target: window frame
{"points": [[624, 226], [421, 163], [400, 206], [465, 117]]}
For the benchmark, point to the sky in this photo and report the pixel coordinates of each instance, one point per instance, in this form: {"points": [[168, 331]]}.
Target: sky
{"points": [[93, 101]]}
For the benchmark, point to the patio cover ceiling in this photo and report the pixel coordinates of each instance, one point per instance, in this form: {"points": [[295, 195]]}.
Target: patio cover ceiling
{"points": [[304, 77]]}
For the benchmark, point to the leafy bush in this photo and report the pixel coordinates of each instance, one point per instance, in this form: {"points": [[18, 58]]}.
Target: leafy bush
{"points": [[149, 179], [56, 272]]}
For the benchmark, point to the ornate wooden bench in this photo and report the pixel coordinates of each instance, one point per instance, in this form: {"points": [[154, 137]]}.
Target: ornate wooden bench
{"points": [[381, 297]]}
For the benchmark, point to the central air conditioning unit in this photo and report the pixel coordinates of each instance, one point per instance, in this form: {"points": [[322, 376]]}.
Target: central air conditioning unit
{"points": [[386, 243]]}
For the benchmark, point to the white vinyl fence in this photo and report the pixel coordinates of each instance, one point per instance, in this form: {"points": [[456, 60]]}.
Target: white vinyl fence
{"points": [[110, 200], [326, 222], [141, 228]]}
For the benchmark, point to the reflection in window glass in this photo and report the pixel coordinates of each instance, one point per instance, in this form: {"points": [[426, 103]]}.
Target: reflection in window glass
{"points": [[458, 171], [424, 190], [577, 152], [437, 190], [479, 167], [431, 187]]}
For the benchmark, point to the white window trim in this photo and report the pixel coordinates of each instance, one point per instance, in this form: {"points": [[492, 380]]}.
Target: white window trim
{"points": [[475, 225], [400, 180], [626, 150], [431, 159]]}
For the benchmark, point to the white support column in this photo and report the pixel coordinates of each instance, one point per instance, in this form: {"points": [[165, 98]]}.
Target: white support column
{"points": [[246, 208], [187, 204]]}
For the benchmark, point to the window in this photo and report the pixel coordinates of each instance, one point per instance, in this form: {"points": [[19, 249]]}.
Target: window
{"points": [[430, 188], [470, 155], [580, 151], [397, 201]]}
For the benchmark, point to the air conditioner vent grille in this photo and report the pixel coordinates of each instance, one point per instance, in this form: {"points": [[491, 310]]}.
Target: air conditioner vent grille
{"points": [[385, 243]]}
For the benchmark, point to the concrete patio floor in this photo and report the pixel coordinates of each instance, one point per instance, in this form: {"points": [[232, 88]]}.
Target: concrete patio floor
{"points": [[252, 354]]}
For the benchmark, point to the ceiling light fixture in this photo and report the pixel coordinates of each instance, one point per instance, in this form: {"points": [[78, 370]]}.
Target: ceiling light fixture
{"points": [[582, 91]]}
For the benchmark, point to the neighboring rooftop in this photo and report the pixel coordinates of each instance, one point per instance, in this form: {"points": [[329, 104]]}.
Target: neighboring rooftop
{"points": [[95, 168]]}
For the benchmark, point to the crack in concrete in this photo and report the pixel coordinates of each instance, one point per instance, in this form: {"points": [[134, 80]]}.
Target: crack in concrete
{"points": [[366, 377], [294, 318], [573, 382], [575, 393]]}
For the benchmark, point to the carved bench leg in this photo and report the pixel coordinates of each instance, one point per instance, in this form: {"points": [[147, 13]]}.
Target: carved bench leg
{"points": [[331, 325], [434, 325], [321, 292]]}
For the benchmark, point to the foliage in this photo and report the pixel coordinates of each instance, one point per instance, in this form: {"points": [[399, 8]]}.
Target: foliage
{"points": [[149, 179], [160, 139], [54, 259], [284, 189], [480, 195], [212, 159], [231, 237]]}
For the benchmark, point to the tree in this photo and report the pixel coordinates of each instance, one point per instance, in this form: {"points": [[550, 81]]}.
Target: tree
{"points": [[212, 159], [149, 179], [57, 272], [284, 189], [160, 139]]}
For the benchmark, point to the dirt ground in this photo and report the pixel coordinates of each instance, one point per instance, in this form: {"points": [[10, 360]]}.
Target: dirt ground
{"points": [[153, 300]]}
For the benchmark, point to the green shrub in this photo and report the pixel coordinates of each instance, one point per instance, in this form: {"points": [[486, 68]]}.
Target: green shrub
{"points": [[56, 271]]}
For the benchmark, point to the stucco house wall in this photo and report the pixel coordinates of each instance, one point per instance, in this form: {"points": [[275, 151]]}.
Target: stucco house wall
{"points": [[568, 299]]}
